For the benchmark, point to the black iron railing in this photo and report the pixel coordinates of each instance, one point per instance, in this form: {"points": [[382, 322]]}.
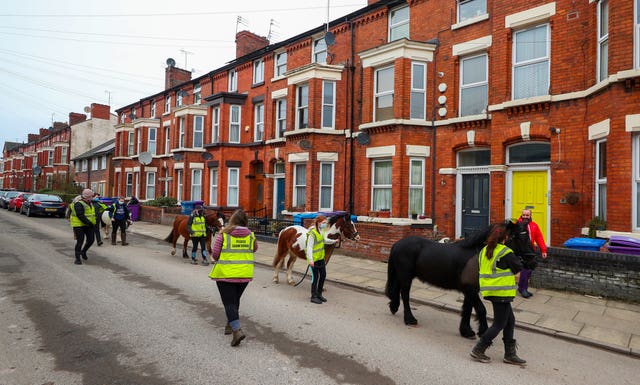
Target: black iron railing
{"points": [[268, 226]]}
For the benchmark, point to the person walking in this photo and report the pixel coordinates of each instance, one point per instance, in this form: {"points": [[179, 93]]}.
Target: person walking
{"points": [[83, 221], [197, 228], [233, 250], [315, 256], [99, 209], [498, 268], [537, 241], [120, 218]]}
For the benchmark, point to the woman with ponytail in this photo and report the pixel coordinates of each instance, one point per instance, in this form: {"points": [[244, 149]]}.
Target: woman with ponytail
{"points": [[499, 271]]}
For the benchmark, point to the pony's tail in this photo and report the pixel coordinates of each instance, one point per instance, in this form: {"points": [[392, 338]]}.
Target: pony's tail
{"points": [[169, 238], [392, 290]]}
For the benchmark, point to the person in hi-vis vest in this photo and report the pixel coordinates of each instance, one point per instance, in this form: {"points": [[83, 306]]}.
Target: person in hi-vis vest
{"points": [[83, 221], [233, 250], [315, 256], [499, 268]]}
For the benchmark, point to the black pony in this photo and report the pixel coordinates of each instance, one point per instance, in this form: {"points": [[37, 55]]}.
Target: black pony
{"points": [[449, 266]]}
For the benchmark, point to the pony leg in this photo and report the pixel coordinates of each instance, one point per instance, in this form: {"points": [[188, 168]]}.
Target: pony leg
{"points": [[409, 319], [276, 270], [290, 263], [481, 314], [465, 319], [184, 248]]}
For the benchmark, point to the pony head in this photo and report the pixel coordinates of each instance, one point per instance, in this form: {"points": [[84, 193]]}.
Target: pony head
{"points": [[518, 239], [341, 226]]}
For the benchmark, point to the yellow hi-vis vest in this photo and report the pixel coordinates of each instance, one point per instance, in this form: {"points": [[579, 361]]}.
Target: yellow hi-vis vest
{"points": [[198, 226], [236, 258], [89, 212], [494, 281], [318, 245]]}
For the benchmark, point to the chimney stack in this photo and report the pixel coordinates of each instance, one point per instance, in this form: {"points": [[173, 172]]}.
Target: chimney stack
{"points": [[247, 42], [75, 118], [174, 75], [100, 111]]}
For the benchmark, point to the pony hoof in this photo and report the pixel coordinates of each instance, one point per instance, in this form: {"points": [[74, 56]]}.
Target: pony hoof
{"points": [[173, 252], [276, 280], [411, 322], [471, 335], [291, 282]]}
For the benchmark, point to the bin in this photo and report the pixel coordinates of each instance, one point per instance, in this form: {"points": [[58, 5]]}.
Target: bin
{"points": [[624, 245], [188, 206], [589, 244], [354, 218], [135, 211], [108, 201], [298, 219]]}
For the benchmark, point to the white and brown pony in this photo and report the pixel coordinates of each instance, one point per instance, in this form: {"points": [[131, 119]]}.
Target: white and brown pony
{"points": [[292, 241]]}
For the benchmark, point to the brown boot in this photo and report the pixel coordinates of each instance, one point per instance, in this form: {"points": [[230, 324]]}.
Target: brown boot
{"points": [[123, 237], [238, 336], [227, 330], [113, 238]]}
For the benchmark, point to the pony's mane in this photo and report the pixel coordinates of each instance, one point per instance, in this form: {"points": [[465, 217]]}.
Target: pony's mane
{"points": [[334, 219], [478, 238]]}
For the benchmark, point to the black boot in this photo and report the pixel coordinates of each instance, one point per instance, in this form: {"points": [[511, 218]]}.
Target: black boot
{"points": [[510, 356], [320, 296], [78, 261], [113, 238], [123, 237], [477, 353], [83, 254], [314, 295]]}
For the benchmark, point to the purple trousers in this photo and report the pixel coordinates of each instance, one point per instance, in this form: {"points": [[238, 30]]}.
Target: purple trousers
{"points": [[525, 274]]}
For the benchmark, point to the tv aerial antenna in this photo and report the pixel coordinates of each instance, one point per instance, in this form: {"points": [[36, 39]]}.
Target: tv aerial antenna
{"points": [[185, 52]]}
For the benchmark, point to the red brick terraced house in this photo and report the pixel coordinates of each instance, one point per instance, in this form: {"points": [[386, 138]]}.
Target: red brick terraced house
{"points": [[457, 113], [93, 169]]}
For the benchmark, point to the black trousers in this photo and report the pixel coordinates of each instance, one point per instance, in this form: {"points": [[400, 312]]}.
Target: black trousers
{"points": [[230, 293], [96, 231], [318, 275], [83, 233], [503, 320], [122, 224], [198, 241]]}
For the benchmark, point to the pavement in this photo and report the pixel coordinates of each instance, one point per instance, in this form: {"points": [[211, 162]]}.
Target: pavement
{"points": [[589, 320]]}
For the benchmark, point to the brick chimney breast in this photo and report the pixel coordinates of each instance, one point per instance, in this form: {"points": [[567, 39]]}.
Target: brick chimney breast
{"points": [[247, 42], [75, 118], [174, 76], [100, 111]]}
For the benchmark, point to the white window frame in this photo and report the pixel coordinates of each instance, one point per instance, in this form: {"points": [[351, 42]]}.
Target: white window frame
{"points": [[181, 132], [139, 140], [258, 122], [418, 186], [636, 182], [167, 104], [326, 187], [474, 85], [152, 141], [377, 94], [396, 27], [233, 80], [153, 109], [198, 131], [197, 94], [234, 125], [128, 191], [382, 186], [602, 67], [258, 71], [179, 96], [50, 158], [479, 6], [167, 139], [531, 62], [299, 186], [179, 183], [196, 184], [150, 191], [419, 91], [215, 125], [131, 143], [601, 180], [281, 117], [636, 17], [320, 51], [104, 162], [233, 187], [136, 176], [213, 190], [94, 164], [280, 68], [302, 110], [328, 104]]}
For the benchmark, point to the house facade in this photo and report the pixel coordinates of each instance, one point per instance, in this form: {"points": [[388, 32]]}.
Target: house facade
{"points": [[457, 113]]}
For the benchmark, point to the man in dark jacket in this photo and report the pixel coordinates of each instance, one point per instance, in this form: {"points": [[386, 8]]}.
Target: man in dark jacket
{"points": [[120, 218], [83, 221]]}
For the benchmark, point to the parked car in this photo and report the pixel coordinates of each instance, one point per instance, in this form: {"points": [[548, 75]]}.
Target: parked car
{"points": [[16, 203], [44, 204], [7, 198]]}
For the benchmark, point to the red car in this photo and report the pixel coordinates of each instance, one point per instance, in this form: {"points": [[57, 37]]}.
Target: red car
{"points": [[16, 203]]}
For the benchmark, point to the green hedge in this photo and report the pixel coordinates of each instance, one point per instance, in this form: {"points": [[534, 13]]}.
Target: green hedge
{"points": [[162, 201]]}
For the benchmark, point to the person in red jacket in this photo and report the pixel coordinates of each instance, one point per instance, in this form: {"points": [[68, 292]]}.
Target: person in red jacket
{"points": [[537, 240]]}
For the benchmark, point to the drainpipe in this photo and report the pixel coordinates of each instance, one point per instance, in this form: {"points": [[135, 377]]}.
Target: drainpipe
{"points": [[435, 41], [352, 69]]}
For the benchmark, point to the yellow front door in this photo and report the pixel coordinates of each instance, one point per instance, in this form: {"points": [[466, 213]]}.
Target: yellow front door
{"points": [[530, 190]]}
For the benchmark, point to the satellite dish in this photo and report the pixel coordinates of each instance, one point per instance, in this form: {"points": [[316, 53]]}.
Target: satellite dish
{"points": [[37, 170], [329, 38], [145, 157], [305, 144], [171, 62], [206, 156], [177, 157], [363, 138], [87, 109]]}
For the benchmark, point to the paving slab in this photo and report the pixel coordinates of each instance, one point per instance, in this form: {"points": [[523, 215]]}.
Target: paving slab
{"points": [[560, 324], [606, 335]]}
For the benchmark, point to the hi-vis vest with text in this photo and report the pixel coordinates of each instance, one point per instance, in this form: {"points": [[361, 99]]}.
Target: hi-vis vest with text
{"points": [[236, 258], [494, 281], [89, 212], [318, 245], [198, 226]]}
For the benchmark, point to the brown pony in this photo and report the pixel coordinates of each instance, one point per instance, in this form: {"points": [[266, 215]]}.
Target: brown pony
{"points": [[180, 229], [292, 240]]}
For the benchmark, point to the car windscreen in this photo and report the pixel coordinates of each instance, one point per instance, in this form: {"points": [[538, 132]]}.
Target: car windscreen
{"points": [[47, 198]]}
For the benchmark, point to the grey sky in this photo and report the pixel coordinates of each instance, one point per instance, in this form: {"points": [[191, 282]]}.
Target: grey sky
{"points": [[60, 56]]}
